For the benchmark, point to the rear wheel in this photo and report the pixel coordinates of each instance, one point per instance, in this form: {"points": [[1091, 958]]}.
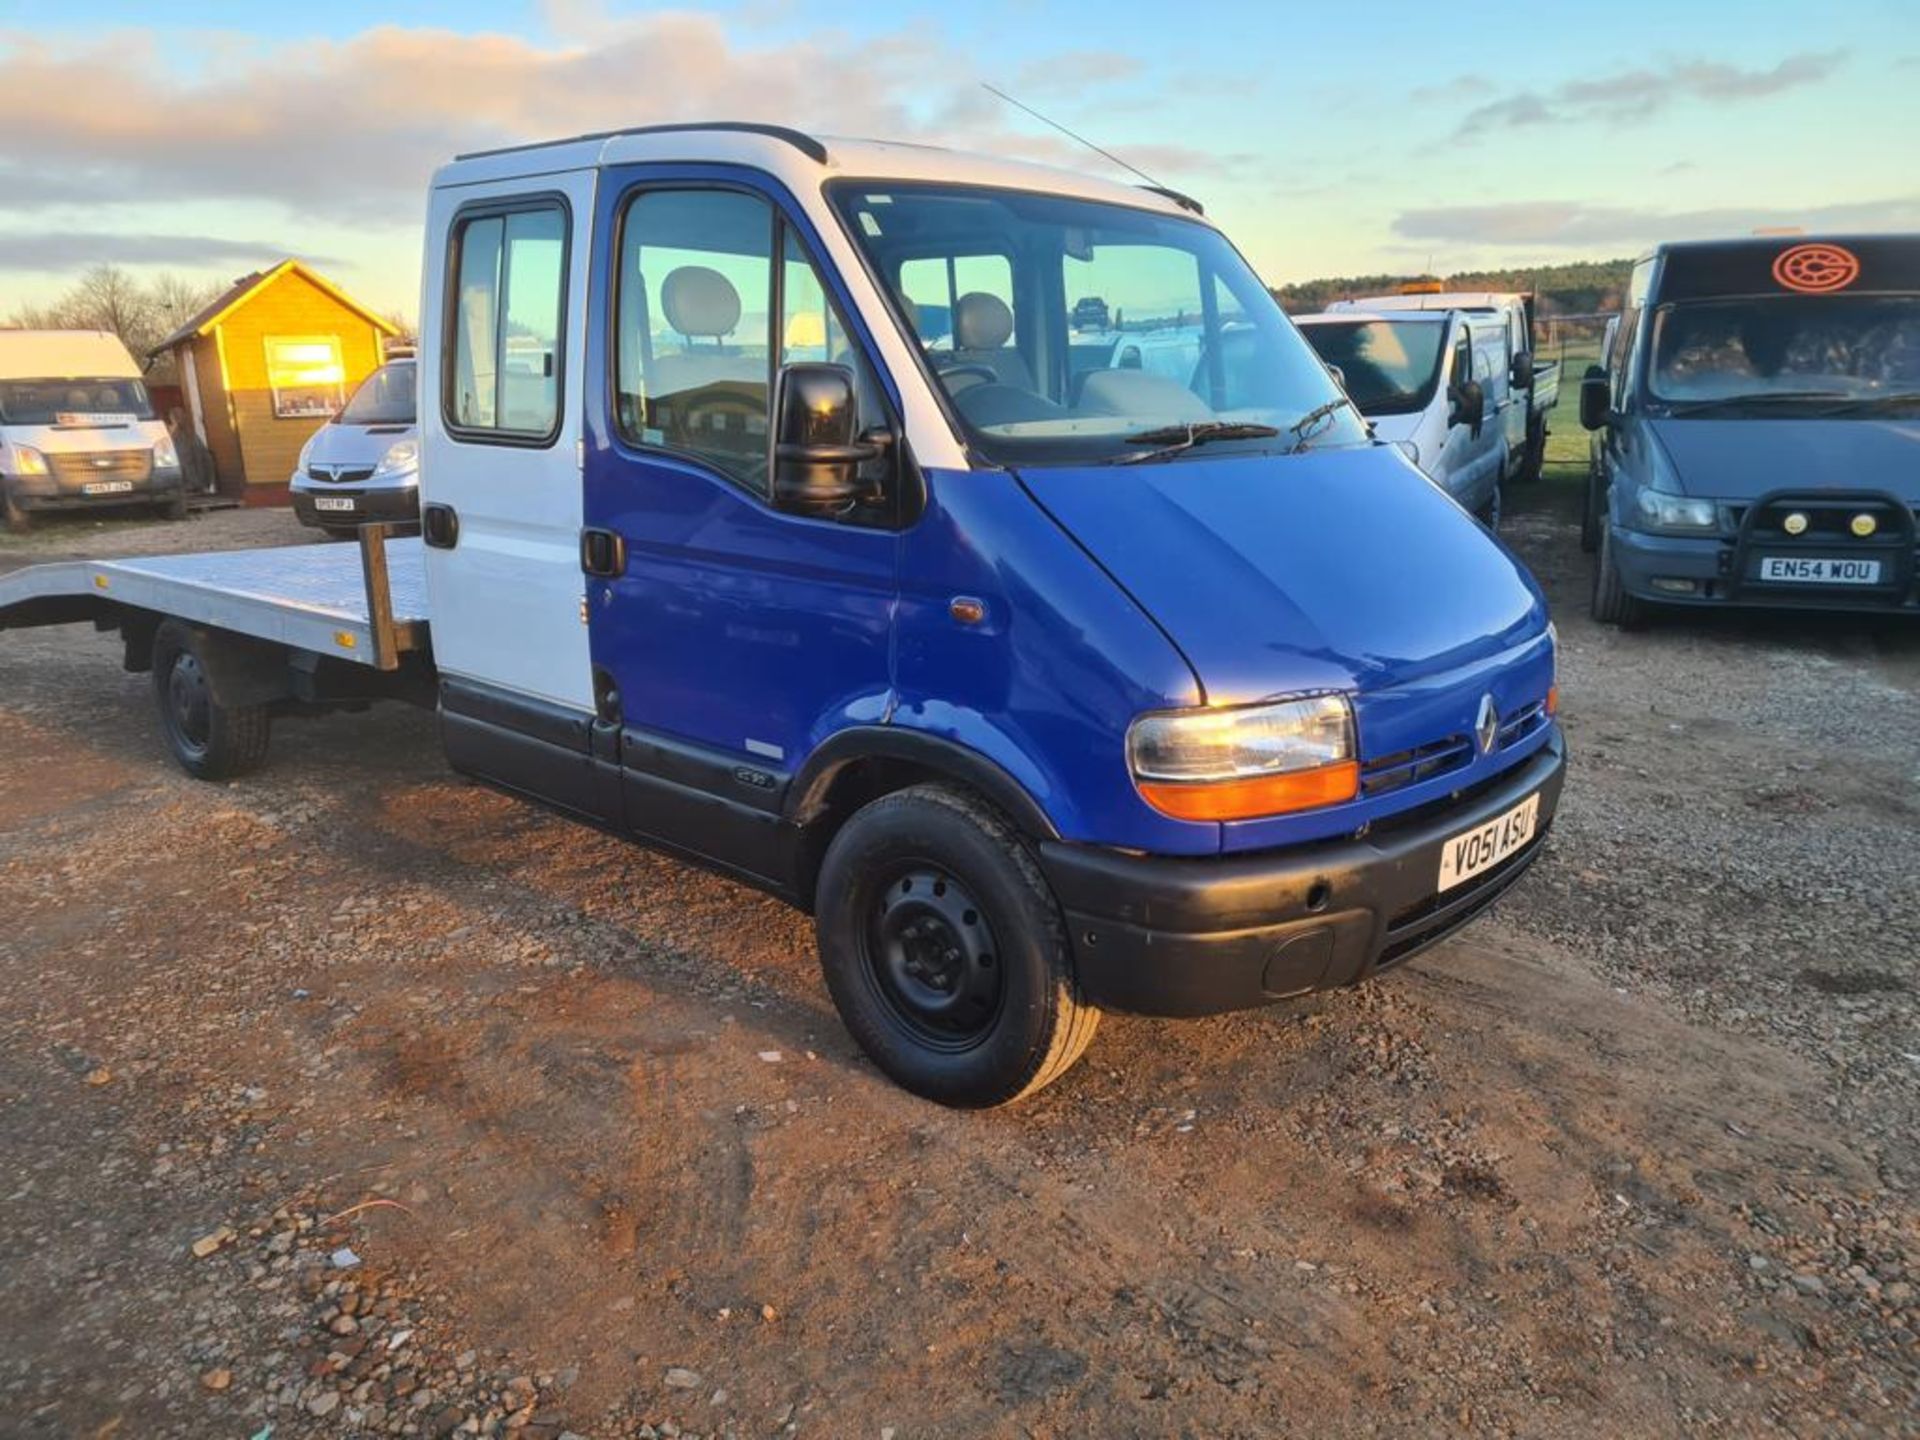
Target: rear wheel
{"points": [[1591, 517], [945, 952], [1612, 605], [211, 741], [1533, 459]]}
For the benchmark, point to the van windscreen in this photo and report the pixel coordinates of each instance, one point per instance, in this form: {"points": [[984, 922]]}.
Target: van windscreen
{"points": [[1784, 349], [1390, 366], [74, 404], [385, 397]]}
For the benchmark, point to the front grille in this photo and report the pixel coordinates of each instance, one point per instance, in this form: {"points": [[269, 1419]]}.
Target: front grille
{"points": [[1519, 726], [89, 466], [329, 475], [1387, 773], [1829, 520]]}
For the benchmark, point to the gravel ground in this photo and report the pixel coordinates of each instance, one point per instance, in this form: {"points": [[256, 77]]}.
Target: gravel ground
{"points": [[356, 1100]]}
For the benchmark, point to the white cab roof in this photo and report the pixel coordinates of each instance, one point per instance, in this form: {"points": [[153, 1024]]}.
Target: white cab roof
{"points": [[64, 355], [1448, 300], [801, 162], [1331, 316]]}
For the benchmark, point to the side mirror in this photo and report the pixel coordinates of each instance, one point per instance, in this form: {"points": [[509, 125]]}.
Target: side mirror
{"points": [[1520, 372], [1596, 397], [1469, 406], [817, 448]]}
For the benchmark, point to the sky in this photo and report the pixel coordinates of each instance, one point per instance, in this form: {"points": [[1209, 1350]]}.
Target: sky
{"points": [[1326, 139]]}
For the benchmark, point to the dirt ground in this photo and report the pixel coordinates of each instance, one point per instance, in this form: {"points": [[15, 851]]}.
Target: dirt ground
{"points": [[1634, 1156]]}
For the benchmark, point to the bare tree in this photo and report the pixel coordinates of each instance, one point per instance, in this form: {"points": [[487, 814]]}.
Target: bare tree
{"points": [[110, 298]]}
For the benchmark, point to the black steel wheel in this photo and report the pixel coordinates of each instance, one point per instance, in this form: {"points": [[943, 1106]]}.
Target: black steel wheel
{"points": [[211, 740], [945, 952]]}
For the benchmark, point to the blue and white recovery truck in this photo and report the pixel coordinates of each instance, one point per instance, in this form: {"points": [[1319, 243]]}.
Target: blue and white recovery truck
{"points": [[773, 516]]}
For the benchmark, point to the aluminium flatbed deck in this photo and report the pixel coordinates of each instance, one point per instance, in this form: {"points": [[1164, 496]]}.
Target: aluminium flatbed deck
{"points": [[365, 603]]}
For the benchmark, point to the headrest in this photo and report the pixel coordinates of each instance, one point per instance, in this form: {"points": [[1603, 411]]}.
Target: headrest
{"points": [[981, 322], [700, 301]]}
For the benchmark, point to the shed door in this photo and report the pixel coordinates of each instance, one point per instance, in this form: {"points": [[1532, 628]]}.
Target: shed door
{"points": [[500, 423]]}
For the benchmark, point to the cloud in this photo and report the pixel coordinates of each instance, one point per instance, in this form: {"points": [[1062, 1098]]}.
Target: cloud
{"points": [[1630, 95], [1544, 224], [349, 130], [1077, 70], [61, 250]]}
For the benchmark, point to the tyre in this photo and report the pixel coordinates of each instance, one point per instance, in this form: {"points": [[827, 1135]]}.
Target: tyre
{"points": [[945, 952], [175, 507], [1612, 605], [1489, 513], [13, 514], [1533, 459], [1591, 516], [211, 741]]}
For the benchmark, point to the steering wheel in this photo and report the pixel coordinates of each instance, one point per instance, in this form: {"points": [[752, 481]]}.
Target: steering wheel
{"points": [[694, 412], [985, 374]]}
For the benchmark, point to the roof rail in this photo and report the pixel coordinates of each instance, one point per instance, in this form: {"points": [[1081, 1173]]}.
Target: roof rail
{"points": [[1185, 202], [799, 140]]}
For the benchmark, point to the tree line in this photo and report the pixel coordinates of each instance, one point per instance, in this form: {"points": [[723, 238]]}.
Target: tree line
{"points": [[141, 312], [1580, 287]]}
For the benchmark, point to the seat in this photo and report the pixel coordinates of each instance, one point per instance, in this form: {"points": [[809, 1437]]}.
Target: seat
{"points": [[982, 325], [708, 396]]}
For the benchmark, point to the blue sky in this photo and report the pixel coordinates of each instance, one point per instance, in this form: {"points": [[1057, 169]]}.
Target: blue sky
{"points": [[1459, 134]]}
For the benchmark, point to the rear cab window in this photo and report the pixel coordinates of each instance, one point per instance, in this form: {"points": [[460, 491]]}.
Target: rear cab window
{"points": [[505, 323]]}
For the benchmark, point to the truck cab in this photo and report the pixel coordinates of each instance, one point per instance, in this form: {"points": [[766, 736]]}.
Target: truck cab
{"points": [[775, 517], [1522, 389], [1421, 377], [792, 506], [1759, 411], [77, 429]]}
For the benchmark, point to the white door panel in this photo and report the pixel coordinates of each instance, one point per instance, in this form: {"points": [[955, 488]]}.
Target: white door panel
{"points": [[507, 597]]}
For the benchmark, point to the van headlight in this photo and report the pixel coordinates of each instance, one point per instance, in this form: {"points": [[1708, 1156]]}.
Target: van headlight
{"points": [[1246, 761], [165, 456], [28, 461], [1662, 511], [401, 456]]}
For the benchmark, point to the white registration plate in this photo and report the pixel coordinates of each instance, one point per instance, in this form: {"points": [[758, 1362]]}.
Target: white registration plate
{"points": [[1466, 855], [333, 502], [1819, 570], [106, 487]]}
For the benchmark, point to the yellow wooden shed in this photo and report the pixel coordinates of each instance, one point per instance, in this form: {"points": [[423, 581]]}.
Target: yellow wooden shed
{"points": [[264, 365]]}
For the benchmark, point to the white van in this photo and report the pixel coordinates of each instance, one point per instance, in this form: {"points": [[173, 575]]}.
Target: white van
{"points": [[1422, 378], [77, 428]]}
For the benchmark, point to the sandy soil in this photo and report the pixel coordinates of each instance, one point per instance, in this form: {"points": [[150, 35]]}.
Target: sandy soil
{"points": [[1607, 1163]]}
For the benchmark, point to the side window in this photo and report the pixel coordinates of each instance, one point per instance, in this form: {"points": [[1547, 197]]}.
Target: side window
{"points": [[507, 317], [693, 356], [1622, 354], [1462, 365]]}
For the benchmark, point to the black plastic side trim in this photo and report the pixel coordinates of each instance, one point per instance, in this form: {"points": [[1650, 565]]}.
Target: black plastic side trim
{"points": [[752, 784], [543, 720], [806, 795]]}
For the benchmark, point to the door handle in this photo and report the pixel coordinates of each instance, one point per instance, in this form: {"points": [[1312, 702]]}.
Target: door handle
{"points": [[439, 526], [603, 553]]}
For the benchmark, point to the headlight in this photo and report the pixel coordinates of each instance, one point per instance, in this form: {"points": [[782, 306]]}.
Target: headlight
{"points": [[401, 455], [1409, 449], [1252, 760], [28, 461], [165, 457], [1661, 511]]}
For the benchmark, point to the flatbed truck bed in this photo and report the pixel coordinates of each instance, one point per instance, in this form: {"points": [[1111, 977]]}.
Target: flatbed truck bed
{"points": [[365, 604]]}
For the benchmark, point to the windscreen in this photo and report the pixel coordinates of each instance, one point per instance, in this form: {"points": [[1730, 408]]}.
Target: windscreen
{"points": [[385, 397], [74, 404], [1390, 366], [1786, 347], [1068, 331]]}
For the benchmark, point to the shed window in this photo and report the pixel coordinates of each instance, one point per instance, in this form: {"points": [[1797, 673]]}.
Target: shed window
{"points": [[503, 375], [306, 375]]}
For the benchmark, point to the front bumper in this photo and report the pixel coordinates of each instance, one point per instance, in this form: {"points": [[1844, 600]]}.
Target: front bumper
{"points": [[1161, 935], [1724, 569], [395, 504], [42, 492]]}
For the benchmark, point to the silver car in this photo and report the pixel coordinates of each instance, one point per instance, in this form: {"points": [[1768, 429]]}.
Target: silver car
{"points": [[364, 464]]}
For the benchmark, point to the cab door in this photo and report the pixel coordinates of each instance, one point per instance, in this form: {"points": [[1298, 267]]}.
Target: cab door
{"points": [[728, 637], [1471, 456], [506, 269]]}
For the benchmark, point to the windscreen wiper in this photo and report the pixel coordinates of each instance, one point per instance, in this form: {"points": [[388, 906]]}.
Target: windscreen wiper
{"points": [[1173, 439], [1871, 404], [1303, 429], [1758, 397]]}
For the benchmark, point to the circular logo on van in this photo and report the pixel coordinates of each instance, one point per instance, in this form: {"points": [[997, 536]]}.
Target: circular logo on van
{"points": [[1815, 269]]}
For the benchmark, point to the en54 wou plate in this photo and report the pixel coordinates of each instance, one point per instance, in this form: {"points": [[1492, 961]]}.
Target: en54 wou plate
{"points": [[1465, 855]]}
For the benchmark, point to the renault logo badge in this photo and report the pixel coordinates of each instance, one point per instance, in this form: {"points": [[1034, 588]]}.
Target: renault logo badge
{"points": [[1795, 524], [1486, 728], [1863, 525]]}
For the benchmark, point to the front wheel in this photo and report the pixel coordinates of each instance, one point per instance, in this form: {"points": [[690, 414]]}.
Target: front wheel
{"points": [[1533, 459], [945, 952], [1489, 513], [1612, 605], [211, 740], [13, 514], [1592, 513]]}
